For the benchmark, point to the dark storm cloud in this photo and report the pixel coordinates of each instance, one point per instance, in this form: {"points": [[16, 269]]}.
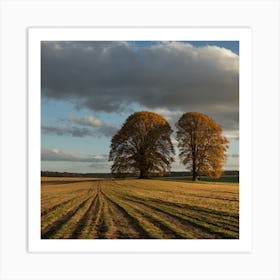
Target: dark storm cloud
{"points": [[57, 155], [109, 76]]}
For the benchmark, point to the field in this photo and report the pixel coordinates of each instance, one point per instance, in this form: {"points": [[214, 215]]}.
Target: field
{"points": [[86, 208]]}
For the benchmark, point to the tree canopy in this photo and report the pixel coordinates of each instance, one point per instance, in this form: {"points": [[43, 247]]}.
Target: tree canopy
{"points": [[201, 145], [142, 146]]}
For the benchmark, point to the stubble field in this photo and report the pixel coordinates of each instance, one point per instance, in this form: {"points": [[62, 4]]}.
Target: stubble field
{"points": [[86, 208]]}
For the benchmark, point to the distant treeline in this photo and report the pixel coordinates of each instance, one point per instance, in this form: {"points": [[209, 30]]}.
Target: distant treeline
{"points": [[109, 175], [189, 173], [71, 174]]}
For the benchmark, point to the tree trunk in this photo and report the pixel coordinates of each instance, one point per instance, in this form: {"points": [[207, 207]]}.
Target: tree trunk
{"points": [[194, 175], [143, 173]]}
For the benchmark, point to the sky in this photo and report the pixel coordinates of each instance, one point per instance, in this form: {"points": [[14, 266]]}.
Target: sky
{"points": [[89, 88]]}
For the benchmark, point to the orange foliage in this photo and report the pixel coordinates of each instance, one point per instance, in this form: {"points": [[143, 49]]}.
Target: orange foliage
{"points": [[201, 144], [142, 146]]}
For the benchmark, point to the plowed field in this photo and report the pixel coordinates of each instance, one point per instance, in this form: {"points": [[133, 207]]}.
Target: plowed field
{"points": [[135, 209]]}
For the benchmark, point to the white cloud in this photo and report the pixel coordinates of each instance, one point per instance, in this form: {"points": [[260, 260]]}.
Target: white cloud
{"points": [[88, 120], [168, 114], [231, 134], [58, 155]]}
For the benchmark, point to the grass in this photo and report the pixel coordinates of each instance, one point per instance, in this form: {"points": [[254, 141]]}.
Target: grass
{"points": [[138, 209]]}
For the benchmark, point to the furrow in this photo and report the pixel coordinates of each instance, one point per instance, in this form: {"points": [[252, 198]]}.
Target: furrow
{"points": [[170, 228], [133, 221], [207, 229], [76, 233], [54, 227], [122, 227], [53, 208]]}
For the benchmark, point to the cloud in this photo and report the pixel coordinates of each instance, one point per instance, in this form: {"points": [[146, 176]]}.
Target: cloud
{"points": [[232, 162], [231, 135], [97, 128], [57, 155], [168, 114], [65, 130], [233, 156], [100, 128], [172, 76], [101, 166], [88, 121], [108, 130]]}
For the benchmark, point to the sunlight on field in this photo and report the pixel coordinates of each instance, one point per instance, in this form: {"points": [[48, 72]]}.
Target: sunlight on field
{"points": [[88, 208], [53, 180]]}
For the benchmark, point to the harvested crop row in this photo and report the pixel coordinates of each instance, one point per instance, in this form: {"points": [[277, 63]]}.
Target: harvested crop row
{"points": [[170, 221], [185, 194], [139, 209], [52, 196], [104, 219], [54, 220], [215, 219]]}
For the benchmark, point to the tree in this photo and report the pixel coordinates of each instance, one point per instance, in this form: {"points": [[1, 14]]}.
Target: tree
{"points": [[142, 146], [201, 145]]}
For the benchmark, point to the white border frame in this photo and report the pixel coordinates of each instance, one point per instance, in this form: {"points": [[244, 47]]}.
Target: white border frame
{"points": [[262, 262], [243, 35]]}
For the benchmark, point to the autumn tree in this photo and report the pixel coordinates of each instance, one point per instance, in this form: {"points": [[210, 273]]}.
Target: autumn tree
{"points": [[201, 145], [142, 146]]}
